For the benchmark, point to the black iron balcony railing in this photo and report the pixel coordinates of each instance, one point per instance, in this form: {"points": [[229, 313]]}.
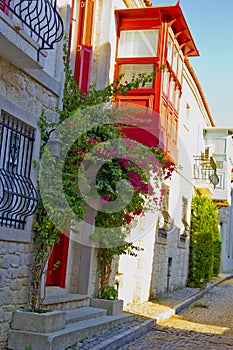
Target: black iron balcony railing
{"points": [[205, 169], [40, 17]]}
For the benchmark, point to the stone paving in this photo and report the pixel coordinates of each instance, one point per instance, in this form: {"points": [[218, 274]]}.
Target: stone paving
{"points": [[164, 335], [206, 324]]}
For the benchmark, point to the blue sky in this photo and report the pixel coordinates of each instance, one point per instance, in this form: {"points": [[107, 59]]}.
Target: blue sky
{"points": [[211, 25]]}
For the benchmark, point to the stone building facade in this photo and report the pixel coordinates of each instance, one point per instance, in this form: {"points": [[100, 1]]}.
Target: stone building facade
{"points": [[27, 87], [32, 81]]}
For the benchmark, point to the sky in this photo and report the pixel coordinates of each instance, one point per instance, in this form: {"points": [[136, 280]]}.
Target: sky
{"points": [[211, 25]]}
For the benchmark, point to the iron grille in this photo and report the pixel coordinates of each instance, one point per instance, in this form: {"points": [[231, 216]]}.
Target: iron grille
{"points": [[40, 17], [18, 196]]}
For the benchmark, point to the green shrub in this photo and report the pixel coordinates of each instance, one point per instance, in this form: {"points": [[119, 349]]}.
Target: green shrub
{"points": [[205, 245]]}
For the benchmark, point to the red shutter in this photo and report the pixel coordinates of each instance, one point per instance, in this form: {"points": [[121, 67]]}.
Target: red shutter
{"points": [[3, 7], [87, 39], [85, 68], [84, 45]]}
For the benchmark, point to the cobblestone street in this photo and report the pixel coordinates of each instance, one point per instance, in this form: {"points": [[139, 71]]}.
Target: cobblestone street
{"points": [[206, 324]]}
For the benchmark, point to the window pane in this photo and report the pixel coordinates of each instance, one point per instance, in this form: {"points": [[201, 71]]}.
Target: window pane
{"points": [[165, 82], [169, 50], [171, 91], [174, 61], [179, 69], [132, 70], [138, 43]]}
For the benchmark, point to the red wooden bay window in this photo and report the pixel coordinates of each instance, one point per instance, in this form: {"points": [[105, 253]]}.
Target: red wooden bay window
{"points": [[147, 39]]}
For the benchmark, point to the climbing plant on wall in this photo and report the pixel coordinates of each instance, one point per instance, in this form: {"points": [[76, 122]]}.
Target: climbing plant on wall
{"points": [[75, 116], [205, 245]]}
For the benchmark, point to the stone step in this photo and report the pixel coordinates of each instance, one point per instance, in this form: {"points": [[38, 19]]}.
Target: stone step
{"points": [[83, 313], [65, 302], [70, 335]]}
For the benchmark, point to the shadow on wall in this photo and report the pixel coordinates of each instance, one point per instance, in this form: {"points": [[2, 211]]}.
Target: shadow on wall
{"points": [[101, 65]]}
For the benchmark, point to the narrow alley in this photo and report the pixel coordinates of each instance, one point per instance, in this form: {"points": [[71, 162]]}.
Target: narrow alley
{"points": [[206, 324]]}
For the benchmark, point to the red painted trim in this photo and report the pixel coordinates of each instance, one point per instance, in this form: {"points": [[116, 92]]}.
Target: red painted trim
{"points": [[4, 8]]}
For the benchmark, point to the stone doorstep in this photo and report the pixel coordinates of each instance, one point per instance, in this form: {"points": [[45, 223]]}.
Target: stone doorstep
{"points": [[83, 313], [71, 334], [64, 302]]}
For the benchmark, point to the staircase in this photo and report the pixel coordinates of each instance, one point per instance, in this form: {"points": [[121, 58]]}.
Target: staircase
{"points": [[80, 322]]}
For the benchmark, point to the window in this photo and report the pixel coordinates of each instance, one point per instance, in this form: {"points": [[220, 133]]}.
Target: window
{"points": [[165, 222], [132, 70], [184, 216], [165, 82], [175, 60], [138, 43], [179, 68], [18, 197], [169, 50]]}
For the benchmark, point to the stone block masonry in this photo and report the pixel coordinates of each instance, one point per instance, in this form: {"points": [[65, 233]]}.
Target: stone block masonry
{"points": [[26, 92], [15, 267]]}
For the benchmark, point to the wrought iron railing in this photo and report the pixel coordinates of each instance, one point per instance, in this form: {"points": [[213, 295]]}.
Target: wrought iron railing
{"points": [[40, 17], [205, 169], [18, 196]]}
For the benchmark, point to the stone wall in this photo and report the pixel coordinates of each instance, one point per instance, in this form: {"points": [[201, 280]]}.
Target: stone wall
{"points": [[23, 95], [15, 267], [21, 89], [170, 264]]}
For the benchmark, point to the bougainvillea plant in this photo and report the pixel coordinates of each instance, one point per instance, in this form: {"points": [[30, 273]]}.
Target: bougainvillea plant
{"points": [[85, 125]]}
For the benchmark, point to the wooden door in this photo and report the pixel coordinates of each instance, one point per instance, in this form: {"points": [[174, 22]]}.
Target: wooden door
{"points": [[56, 272]]}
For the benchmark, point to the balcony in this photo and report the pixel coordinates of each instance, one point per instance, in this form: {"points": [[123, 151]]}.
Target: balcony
{"points": [[222, 192], [205, 174], [28, 28]]}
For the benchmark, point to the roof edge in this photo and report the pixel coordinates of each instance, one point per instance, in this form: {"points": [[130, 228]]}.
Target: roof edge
{"points": [[191, 71]]}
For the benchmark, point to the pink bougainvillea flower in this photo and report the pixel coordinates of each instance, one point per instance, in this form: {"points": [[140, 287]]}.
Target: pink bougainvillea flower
{"points": [[69, 122], [128, 219], [135, 179], [147, 188], [104, 199], [123, 162], [128, 143], [143, 164], [153, 159], [92, 139], [138, 212], [155, 170], [78, 149], [163, 191]]}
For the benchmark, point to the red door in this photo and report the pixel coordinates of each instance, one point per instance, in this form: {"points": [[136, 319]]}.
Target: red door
{"points": [[56, 272]]}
